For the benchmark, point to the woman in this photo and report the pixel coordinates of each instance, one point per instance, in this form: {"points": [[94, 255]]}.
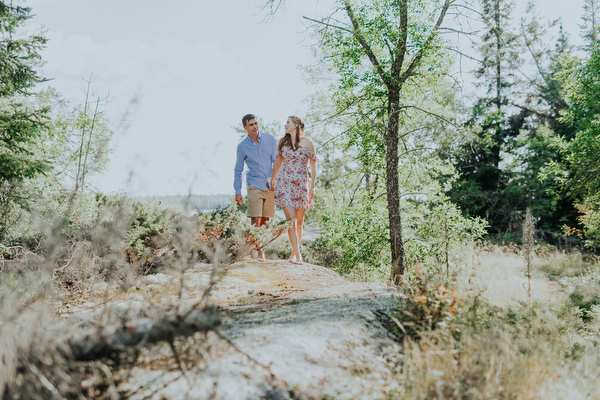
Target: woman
{"points": [[293, 193]]}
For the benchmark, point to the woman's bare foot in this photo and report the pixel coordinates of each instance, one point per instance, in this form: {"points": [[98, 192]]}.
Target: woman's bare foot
{"points": [[297, 260], [261, 255], [292, 259]]}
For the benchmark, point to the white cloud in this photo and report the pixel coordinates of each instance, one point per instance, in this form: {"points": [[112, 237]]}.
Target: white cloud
{"points": [[174, 140], [167, 60]]}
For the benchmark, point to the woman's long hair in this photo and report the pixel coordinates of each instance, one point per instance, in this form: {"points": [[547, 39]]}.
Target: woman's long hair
{"points": [[287, 139]]}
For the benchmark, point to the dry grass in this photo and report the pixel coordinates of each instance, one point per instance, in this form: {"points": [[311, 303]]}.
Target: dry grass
{"points": [[498, 344], [499, 275], [80, 283], [477, 337]]}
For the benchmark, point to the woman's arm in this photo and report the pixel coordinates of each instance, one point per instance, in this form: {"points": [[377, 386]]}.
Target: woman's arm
{"points": [[313, 170], [276, 167], [313, 176]]}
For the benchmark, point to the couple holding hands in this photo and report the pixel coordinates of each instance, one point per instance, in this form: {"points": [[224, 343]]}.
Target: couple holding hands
{"points": [[277, 176]]}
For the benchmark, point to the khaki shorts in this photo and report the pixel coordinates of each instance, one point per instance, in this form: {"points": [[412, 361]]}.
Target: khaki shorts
{"points": [[261, 203]]}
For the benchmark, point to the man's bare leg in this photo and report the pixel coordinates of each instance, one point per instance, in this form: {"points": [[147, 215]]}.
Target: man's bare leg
{"points": [[258, 222]]}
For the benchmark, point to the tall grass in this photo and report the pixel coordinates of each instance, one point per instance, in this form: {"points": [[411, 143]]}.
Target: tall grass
{"points": [[492, 336]]}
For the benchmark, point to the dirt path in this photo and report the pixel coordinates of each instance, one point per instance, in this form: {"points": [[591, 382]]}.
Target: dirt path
{"points": [[317, 333]]}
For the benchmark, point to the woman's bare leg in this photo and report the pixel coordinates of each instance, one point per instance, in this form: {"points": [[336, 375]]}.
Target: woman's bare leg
{"points": [[290, 213], [299, 225]]}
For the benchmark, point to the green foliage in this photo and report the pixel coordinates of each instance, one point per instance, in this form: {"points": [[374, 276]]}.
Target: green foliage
{"points": [[585, 304], [77, 140], [580, 80], [500, 52], [440, 231], [590, 220], [149, 222], [19, 55], [355, 224], [359, 233], [388, 61], [20, 123], [579, 169], [510, 136]]}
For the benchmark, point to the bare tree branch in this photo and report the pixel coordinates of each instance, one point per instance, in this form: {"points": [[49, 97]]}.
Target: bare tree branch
{"points": [[441, 118], [327, 24]]}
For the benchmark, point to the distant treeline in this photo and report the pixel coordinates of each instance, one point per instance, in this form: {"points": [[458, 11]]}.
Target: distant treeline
{"points": [[191, 202]]}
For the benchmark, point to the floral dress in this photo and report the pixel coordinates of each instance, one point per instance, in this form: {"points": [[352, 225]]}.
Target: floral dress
{"points": [[292, 185]]}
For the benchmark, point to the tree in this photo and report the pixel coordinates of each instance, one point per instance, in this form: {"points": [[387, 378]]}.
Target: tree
{"points": [[77, 140], [20, 123], [514, 124], [544, 102], [380, 51], [94, 135], [581, 154], [591, 23], [495, 120], [579, 166]]}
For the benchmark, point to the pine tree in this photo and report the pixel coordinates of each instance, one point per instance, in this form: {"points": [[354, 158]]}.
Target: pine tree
{"points": [[495, 121], [20, 123], [591, 23]]}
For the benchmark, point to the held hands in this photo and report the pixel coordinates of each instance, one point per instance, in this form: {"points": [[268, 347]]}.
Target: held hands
{"points": [[273, 182]]}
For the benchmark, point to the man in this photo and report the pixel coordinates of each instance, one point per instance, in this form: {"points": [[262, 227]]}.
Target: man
{"points": [[258, 151]]}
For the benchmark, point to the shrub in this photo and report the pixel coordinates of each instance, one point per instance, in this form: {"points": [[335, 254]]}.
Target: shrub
{"points": [[429, 305], [357, 237]]}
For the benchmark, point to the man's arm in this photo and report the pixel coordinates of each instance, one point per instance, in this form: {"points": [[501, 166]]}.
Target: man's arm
{"points": [[274, 150], [237, 176]]}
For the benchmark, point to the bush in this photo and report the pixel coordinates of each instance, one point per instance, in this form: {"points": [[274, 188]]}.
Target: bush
{"points": [[359, 234], [429, 305], [357, 237]]}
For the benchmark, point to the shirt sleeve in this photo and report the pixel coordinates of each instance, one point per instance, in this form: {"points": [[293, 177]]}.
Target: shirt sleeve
{"points": [[237, 171]]}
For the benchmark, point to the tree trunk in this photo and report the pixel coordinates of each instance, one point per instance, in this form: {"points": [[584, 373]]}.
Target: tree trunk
{"points": [[80, 153], [392, 186], [95, 344]]}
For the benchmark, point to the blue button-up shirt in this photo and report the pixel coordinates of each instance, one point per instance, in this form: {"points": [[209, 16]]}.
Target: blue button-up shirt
{"points": [[259, 159]]}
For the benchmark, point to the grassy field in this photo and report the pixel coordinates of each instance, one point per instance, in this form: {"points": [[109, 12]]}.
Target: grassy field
{"points": [[486, 330], [493, 334]]}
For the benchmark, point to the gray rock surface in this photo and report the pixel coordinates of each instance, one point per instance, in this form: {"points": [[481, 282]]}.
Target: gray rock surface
{"points": [[294, 332]]}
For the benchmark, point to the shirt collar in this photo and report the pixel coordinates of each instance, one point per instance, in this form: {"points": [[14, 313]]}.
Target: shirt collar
{"points": [[259, 137]]}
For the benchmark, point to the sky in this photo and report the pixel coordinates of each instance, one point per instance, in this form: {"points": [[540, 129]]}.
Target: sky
{"points": [[181, 74]]}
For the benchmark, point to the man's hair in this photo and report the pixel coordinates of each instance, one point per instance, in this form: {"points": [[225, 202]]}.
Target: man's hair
{"points": [[247, 118]]}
